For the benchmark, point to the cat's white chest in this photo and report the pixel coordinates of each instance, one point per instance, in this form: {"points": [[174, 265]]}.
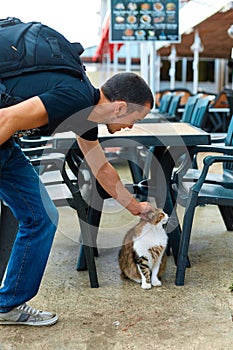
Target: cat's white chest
{"points": [[150, 236]]}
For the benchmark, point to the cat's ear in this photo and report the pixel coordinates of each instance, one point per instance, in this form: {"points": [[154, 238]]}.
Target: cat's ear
{"points": [[161, 216]]}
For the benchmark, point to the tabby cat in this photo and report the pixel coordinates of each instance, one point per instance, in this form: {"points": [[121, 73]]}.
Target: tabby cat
{"points": [[141, 257]]}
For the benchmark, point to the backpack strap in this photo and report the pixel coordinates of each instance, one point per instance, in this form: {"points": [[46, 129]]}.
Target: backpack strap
{"points": [[7, 100]]}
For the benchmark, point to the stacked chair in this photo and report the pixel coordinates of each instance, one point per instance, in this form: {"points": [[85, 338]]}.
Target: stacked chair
{"points": [[165, 103], [183, 91], [168, 108]]}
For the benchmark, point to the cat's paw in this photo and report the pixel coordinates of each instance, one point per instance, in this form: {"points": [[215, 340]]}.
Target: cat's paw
{"points": [[156, 283], [146, 285]]}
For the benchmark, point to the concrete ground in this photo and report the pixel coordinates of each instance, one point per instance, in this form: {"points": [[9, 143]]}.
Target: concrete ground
{"points": [[120, 315]]}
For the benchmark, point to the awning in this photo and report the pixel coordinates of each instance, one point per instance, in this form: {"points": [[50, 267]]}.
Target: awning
{"points": [[214, 37]]}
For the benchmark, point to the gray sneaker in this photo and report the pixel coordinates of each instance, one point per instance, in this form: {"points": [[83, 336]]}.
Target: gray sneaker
{"points": [[28, 316]]}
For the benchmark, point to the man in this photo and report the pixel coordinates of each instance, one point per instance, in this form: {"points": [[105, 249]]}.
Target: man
{"points": [[54, 100]]}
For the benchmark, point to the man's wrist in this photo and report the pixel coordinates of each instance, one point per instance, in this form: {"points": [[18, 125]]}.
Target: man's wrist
{"points": [[134, 207]]}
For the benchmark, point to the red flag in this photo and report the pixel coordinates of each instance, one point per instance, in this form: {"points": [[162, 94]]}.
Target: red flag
{"points": [[105, 47]]}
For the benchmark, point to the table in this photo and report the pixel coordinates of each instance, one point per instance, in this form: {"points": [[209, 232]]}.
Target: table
{"points": [[147, 134], [169, 140]]}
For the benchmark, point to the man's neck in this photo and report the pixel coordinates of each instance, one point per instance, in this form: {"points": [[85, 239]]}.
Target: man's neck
{"points": [[102, 112]]}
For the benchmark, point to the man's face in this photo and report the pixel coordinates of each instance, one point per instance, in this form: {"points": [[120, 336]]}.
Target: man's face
{"points": [[127, 120]]}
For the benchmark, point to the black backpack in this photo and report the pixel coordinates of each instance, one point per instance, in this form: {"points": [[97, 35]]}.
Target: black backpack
{"points": [[34, 47], [29, 47]]}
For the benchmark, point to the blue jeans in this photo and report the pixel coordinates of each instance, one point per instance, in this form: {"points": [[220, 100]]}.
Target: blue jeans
{"points": [[22, 190]]}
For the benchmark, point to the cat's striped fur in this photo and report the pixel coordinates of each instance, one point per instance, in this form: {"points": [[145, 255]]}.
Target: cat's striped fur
{"points": [[142, 257]]}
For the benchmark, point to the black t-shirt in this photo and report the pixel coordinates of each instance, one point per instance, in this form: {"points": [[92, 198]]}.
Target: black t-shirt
{"points": [[67, 99]]}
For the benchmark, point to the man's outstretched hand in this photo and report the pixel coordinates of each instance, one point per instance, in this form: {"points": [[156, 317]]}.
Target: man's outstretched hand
{"points": [[145, 209]]}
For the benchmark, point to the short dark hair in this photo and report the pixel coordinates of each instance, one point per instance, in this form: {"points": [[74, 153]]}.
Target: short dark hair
{"points": [[128, 87]]}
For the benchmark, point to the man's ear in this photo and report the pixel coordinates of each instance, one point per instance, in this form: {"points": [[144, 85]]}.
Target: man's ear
{"points": [[120, 108]]}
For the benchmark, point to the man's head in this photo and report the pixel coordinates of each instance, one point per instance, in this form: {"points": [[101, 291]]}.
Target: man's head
{"points": [[131, 97], [128, 87]]}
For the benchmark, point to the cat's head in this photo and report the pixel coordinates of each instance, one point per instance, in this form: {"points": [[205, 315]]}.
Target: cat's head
{"points": [[157, 216]]}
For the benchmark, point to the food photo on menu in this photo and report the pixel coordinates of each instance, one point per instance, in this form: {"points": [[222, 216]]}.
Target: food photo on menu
{"points": [[144, 20]]}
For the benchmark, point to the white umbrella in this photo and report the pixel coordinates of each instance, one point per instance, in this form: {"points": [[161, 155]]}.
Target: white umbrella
{"points": [[172, 71], [196, 48]]}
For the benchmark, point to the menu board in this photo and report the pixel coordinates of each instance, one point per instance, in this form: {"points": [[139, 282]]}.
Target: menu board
{"points": [[156, 20]]}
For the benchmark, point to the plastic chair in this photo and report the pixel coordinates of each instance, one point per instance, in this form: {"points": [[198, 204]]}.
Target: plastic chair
{"points": [[186, 174], [202, 193], [165, 103], [172, 110], [159, 95], [193, 187], [229, 96], [183, 91], [189, 108], [199, 114], [218, 121], [70, 187], [63, 180], [185, 94]]}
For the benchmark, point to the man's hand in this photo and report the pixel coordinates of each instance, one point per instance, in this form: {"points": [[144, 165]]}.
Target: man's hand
{"points": [[145, 208]]}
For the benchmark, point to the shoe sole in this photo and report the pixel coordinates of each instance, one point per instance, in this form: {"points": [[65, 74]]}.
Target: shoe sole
{"points": [[35, 324]]}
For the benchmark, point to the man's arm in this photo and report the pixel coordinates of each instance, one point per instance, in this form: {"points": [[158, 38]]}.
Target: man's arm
{"points": [[25, 115], [109, 179]]}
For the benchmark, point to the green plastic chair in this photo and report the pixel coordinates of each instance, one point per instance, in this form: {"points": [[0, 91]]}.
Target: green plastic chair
{"points": [[189, 108], [202, 193]]}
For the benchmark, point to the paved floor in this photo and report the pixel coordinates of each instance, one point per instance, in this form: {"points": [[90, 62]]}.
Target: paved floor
{"points": [[120, 315]]}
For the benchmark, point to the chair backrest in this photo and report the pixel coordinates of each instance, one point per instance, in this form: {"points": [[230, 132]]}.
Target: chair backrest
{"points": [[159, 95], [229, 95], [165, 103], [229, 137], [174, 104], [185, 95], [200, 112], [188, 109]]}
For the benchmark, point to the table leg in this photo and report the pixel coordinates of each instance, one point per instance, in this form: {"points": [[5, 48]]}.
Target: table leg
{"points": [[162, 164]]}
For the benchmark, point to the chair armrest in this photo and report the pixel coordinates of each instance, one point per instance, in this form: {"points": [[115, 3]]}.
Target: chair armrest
{"points": [[212, 148], [52, 158], [35, 142], [218, 137], [208, 161], [185, 165], [59, 161], [38, 151]]}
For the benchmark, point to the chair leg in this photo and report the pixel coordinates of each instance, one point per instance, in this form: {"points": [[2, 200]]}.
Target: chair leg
{"points": [[185, 239], [227, 215], [94, 216], [82, 263], [94, 220], [86, 238]]}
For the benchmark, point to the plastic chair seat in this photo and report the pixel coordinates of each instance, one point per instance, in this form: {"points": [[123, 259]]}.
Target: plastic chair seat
{"points": [[194, 174], [217, 194]]}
